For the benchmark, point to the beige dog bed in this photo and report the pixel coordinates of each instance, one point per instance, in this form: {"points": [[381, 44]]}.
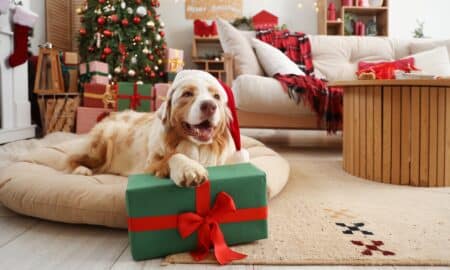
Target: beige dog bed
{"points": [[37, 190]]}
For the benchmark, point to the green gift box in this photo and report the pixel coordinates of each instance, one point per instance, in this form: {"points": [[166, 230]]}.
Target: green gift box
{"points": [[158, 211], [134, 96]]}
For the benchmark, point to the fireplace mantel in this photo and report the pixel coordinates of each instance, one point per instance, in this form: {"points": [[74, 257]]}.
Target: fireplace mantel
{"points": [[15, 116]]}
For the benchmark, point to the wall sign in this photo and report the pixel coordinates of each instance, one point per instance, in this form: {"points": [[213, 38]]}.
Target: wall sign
{"points": [[212, 9]]}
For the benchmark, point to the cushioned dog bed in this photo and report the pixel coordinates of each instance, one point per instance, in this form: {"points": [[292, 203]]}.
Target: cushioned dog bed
{"points": [[32, 188]]}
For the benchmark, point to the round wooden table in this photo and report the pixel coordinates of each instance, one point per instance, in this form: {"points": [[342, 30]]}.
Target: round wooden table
{"points": [[397, 131]]}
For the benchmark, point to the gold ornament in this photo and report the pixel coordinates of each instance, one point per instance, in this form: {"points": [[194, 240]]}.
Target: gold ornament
{"points": [[79, 11]]}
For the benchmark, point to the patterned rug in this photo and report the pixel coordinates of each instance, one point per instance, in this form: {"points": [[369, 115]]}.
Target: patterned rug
{"points": [[326, 217]]}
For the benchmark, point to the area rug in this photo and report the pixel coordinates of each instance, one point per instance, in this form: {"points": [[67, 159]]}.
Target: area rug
{"points": [[326, 217]]}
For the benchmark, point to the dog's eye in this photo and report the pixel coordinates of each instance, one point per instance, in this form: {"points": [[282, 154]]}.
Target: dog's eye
{"points": [[187, 94], [217, 96]]}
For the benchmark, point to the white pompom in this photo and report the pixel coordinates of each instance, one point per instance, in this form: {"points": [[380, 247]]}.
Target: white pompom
{"points": [[241, 156]]}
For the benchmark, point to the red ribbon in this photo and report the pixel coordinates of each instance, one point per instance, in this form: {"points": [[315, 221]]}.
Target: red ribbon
{"points": [[135, 98], [206, 222]]}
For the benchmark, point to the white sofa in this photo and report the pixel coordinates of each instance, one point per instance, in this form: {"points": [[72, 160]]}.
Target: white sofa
{"points": [[261, 101]]}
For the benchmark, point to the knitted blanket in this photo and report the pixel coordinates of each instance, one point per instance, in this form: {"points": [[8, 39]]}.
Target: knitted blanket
{"points": [[326, 102]]}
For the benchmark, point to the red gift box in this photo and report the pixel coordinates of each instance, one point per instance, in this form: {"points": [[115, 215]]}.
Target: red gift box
{"points": [[98, 96], [160, 92], [87, 118]]}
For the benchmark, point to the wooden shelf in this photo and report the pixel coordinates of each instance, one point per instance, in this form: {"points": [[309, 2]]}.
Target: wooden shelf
{"points": [[326, 27], [365, 11], [199, 60]]}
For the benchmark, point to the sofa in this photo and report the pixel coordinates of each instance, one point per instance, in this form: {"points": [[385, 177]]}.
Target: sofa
{"points": [[263, 103]]}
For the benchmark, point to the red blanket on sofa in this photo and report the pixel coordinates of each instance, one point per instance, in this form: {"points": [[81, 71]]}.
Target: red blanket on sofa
{"points": [[326, 102]]}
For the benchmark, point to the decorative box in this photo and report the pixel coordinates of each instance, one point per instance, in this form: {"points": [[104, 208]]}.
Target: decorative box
{"points": [[174, 62], [71, 58], [98, 96], [165, 219], [94, 72], [160, 92], [134, 96], [87, 118]]}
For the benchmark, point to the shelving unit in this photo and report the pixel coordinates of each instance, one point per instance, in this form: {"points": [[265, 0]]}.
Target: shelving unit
{"points": [[222, 68], [326, 27]]}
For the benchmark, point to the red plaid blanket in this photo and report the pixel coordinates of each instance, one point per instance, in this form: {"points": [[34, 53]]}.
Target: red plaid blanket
{"points": [[326, 102]]}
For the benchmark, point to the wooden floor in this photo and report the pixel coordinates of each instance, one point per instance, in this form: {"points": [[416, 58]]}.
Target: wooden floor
{"points": [[28, 243]]}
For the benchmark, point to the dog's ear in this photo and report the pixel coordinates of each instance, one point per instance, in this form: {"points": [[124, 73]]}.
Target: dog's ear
{"points": [[163, 112]]}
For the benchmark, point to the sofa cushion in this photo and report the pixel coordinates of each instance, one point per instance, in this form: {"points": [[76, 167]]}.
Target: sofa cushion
{"points": [[265, 95], [337, 57], [433, 62], [273, 60], [237, 44], [421, 45]]}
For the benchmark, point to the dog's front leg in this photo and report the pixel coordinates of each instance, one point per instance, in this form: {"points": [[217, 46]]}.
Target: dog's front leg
{"points": [[186, 172]]}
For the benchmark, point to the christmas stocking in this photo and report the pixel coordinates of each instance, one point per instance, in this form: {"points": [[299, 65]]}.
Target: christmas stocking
{"points": [[23, 20]]}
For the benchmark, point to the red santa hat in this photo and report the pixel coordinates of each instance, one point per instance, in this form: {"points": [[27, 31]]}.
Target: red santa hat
{"points": [[241, 155]]}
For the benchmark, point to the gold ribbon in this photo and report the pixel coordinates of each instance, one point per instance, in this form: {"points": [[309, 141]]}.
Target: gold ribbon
{"points": [[107, 97]]}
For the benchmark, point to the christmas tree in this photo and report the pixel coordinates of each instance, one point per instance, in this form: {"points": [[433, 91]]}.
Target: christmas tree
{"points": [[126, 34]]}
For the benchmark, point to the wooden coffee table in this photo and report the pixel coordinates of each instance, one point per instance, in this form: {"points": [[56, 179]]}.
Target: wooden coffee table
{"points": [[398, 131]]}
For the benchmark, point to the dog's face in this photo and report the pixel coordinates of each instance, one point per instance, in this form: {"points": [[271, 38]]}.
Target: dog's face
{"points": [[196, 110]]}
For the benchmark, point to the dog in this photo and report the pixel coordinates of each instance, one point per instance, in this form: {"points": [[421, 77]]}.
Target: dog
{"points": [[190, 131]]}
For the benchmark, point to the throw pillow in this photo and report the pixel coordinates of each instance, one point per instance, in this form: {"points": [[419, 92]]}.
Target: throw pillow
{"points": [[421, 45], [433, 62], [274, 61], [235, 43]]}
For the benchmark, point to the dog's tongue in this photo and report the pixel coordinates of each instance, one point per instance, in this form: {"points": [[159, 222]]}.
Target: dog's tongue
{"points": [[204, 134]]}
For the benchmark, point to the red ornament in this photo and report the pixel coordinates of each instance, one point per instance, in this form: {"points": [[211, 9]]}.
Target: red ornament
{"points": [[164, 46], [136, 20], [137, 38], [152, 74], [82, 31], [107, 33], [114, 18], [151, 57], [101, 20], [138, 2], [147, 69], [162, 33], [103, 57], [107, 51], [91, 49], [161, 74], [125, 22], [101, 1]]}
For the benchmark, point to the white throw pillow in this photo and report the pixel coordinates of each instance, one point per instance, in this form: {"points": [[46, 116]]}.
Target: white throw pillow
{"points": [[236, 44], [273, 60], [433, 62]]}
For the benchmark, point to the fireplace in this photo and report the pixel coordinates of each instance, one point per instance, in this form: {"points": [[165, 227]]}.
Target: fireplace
{"points": [[15, 115]]}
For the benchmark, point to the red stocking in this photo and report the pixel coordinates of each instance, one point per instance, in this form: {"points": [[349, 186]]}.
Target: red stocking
{"points": [[23, 22]]}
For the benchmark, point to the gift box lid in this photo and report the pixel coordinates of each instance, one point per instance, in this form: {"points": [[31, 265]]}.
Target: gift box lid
{"points": [[244, 182]]}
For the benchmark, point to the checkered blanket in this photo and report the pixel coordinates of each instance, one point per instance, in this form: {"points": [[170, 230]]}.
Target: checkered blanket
{"points": [[326, 102]]}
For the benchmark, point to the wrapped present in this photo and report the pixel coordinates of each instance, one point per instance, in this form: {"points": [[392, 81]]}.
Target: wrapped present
{"points": [[94, 72], [165, 219], [174, 60], [134, 96], [160, 92], [88, 117], [98, 96], [71, 58]]}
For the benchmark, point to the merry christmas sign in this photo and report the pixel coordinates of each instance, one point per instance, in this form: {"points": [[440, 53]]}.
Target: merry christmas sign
{"points": [[212, 9]]}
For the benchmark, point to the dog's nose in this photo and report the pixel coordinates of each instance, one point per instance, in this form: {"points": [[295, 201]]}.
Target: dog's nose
{"points": [[208, 107]]}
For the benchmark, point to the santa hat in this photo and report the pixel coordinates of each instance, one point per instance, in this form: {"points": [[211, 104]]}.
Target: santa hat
{"points": [[226, 94]]}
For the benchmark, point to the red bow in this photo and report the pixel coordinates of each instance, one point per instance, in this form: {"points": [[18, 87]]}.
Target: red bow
{"points": [[207, 225], [135, 98]]}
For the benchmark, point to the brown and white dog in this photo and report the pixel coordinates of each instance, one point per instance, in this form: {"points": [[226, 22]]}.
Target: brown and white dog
{"points": [[188, 133]]}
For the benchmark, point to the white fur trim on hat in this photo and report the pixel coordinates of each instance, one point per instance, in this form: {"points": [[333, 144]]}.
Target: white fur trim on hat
{"points": [[25, 17], [192, 74], [241, 156]]}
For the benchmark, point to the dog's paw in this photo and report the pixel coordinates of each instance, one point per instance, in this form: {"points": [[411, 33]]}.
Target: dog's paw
{"points": [[187, 172], [81, 170]]}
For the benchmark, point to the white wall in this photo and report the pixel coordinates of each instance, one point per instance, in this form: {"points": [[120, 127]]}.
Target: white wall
{"points": [[434, 13], [403, 15]]}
